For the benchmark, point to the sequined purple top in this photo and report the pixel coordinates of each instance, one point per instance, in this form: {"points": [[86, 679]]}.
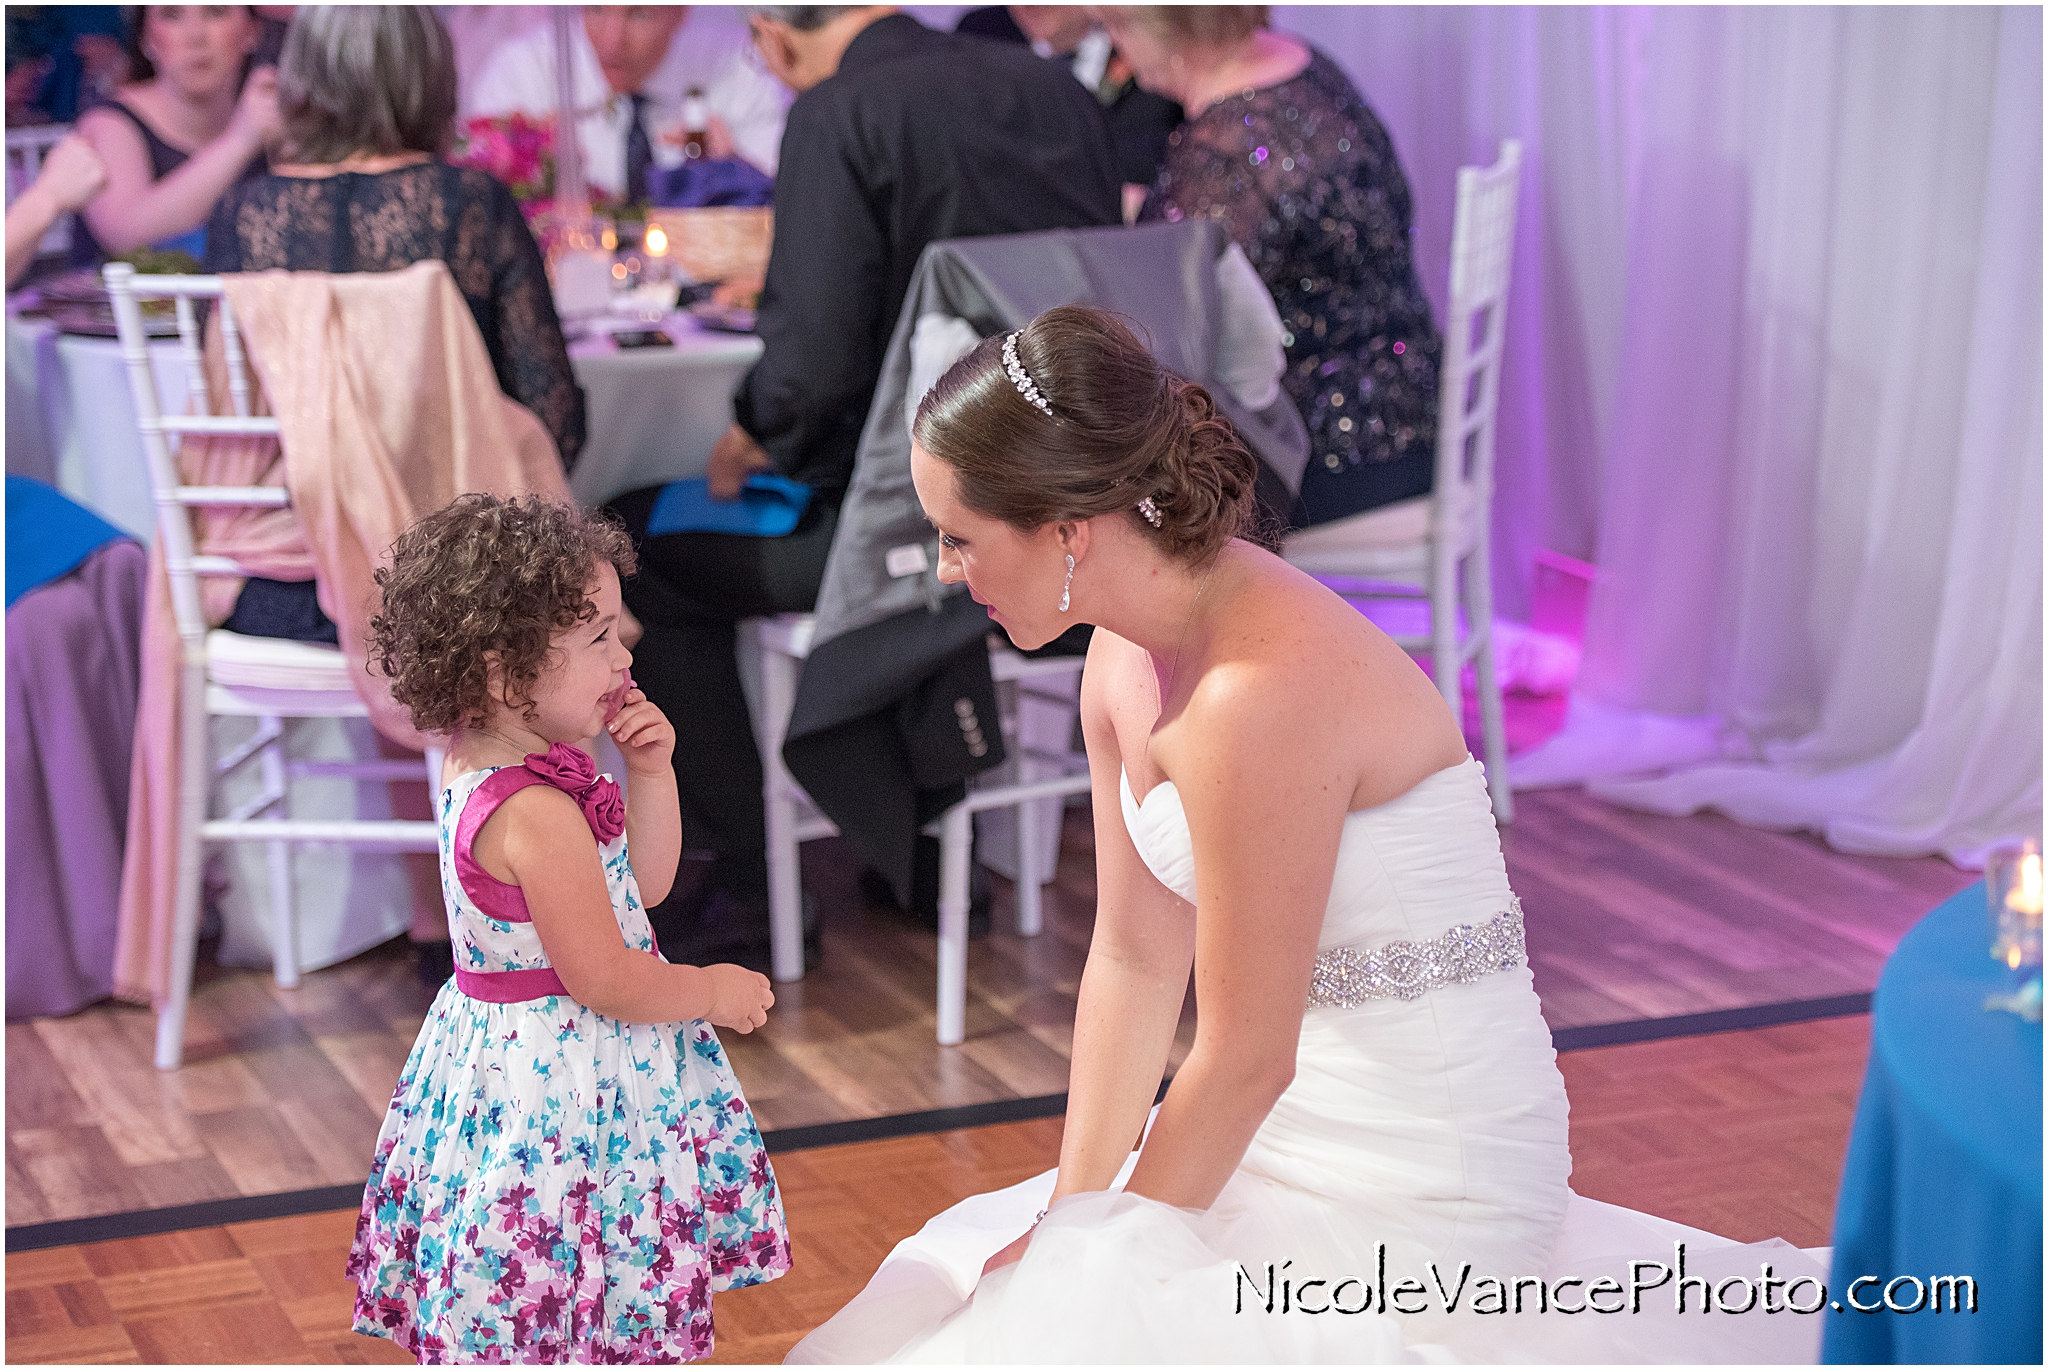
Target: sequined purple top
{"points": [[1306, 179]]}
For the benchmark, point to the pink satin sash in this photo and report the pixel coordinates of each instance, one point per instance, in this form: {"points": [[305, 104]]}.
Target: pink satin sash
{"points": [[518, 986], [510, 986]]}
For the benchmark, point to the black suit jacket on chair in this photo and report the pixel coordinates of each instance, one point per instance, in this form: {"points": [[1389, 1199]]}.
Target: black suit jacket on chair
{"points": [[919, 136]]}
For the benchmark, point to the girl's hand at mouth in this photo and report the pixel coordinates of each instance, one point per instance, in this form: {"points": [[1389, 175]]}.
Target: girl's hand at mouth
{"points": [[645, 736]]}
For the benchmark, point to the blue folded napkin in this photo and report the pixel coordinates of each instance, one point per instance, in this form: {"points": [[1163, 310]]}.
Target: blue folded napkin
{"points": [[708, 185], [192, 244], [768, 507], [47, 535]]}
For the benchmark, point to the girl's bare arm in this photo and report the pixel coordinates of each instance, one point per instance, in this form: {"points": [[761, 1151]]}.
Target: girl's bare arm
{"points": [[540, 841]]}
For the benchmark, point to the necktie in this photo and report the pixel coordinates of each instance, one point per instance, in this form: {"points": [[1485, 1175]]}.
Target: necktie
{"points": [[639, 155]]}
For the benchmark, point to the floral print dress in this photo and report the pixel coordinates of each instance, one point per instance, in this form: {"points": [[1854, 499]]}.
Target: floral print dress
{"points": [[550, 1184]]}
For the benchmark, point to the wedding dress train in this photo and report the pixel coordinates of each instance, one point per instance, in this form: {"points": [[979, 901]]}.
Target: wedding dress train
{"points": [[1412, 1176]]}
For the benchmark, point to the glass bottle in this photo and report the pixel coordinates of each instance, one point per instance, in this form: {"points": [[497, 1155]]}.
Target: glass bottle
{"points": [[696, 123]]}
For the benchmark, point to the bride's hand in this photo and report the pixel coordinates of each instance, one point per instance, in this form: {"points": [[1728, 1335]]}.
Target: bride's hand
{"points": [[1009, 1255]]}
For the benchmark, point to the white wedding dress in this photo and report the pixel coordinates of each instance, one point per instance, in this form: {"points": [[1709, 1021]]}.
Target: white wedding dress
{"points": [[1434, 1125]]}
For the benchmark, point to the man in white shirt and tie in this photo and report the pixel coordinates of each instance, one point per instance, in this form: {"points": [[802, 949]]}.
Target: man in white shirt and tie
{"points": [[635, 66]]}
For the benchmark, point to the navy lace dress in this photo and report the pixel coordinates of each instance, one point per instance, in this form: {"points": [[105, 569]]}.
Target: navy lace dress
{"points": [[386, 222], [1306, 180]]}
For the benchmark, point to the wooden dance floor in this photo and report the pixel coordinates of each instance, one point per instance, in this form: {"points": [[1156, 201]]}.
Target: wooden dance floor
{"points": [[1631, 918], [1704, 982], [1741, 1133]]}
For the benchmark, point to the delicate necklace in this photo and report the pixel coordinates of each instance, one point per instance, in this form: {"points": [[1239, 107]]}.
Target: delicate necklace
{"points": [[501, 738], [1173, 671]]}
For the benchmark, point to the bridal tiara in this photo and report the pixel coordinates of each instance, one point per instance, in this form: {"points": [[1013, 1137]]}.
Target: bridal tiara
{"points": [[1021, 378], [1013, 367]]}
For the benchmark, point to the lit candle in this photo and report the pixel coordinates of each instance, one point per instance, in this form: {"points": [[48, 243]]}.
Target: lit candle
{"points": [[656, 241], [2012, 873], [2025, 895], [2023, 901]]}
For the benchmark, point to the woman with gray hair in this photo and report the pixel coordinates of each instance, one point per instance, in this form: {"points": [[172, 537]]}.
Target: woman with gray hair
{"points": [[358, 183]]}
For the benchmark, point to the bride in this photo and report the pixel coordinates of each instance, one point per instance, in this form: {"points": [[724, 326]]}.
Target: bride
{"points": [[1285, 807]]}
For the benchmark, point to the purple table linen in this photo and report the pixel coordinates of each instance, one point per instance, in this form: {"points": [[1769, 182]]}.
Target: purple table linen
{"points": [[73, 674]]}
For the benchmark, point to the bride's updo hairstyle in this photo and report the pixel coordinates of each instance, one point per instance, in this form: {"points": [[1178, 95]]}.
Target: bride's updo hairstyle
{"points": [[1116, 433]]}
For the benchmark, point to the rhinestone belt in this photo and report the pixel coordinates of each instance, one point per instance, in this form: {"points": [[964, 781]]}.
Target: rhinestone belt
{"points": [[1346, 977]]}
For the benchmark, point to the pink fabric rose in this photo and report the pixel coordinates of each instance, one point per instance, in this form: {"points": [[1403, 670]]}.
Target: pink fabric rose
{"points": [[571, 771]]}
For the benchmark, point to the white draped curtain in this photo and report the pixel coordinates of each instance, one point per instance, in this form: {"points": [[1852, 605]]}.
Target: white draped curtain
{"points": [[1774, 365]]}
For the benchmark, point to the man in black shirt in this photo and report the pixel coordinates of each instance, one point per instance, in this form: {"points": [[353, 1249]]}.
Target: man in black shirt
{"points": [[900, 136], [1139, 121]]}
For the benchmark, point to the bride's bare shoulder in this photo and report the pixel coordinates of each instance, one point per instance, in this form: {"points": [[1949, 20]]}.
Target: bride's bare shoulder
{"points": [[1287, 625], [1291, 644], [1297, 666]]}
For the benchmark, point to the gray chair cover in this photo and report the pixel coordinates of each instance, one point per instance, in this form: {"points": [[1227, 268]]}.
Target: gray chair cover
{"points": [[875, 737]]}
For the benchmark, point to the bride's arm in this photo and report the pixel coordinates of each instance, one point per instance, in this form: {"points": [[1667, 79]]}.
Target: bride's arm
{"points": [[1138, 960], [1265, 794]]}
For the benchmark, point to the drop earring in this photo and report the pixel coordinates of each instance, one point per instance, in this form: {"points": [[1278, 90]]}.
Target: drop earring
{"points": [[1067, 590]]}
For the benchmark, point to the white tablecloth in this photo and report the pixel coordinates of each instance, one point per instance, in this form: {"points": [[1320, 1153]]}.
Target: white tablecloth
{"points": [[653, 412], [71, 421], [653, 415]]}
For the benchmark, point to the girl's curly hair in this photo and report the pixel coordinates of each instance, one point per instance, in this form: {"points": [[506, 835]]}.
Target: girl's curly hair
{"points": [[484, 574]]}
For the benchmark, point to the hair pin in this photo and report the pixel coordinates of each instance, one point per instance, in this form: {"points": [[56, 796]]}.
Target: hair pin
{"points": [[1019, 377], [1151, 512]]}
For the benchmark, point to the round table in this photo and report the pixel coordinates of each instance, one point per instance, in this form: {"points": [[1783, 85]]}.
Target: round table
{"points": [[71, 421], [1943, 1175], [655, 412]]}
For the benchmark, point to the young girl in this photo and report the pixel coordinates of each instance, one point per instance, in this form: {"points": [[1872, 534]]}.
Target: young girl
{"points": [[568, 1170]]}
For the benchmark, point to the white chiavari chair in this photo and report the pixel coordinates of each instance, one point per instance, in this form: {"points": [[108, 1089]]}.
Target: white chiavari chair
{"points": [[1417, 549], [224, 674]]}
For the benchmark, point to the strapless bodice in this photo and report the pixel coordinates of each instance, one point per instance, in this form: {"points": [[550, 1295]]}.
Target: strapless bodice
{"points": [[1406, 869]]}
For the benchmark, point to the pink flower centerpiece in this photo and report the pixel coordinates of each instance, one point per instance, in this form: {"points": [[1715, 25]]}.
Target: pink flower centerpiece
{"points": [[520, 151]]}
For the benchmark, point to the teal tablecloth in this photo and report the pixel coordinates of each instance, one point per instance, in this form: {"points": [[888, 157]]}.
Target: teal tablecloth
{"points": [[48, 535], [1943, 1176]]}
